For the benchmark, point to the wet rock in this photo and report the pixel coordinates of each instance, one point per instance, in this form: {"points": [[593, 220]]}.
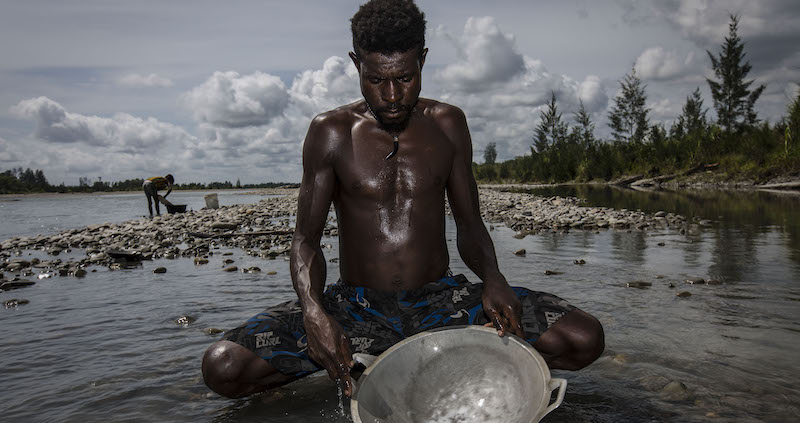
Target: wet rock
{"points": [[660, 213], [695, 281], [553, 272], [684, 294], [671, 285], [520, 235], [675, 391], [212, 331], [227, 261], [227, 254], [520, 252], [160, 270], [661, 244], [14, 302], [185, 320], [334, 260], [272, 272], [200, 260], [253, 269], [79, 273], [638, 284], [714, 282], [15, 284], [230, 269], [580, 261]]}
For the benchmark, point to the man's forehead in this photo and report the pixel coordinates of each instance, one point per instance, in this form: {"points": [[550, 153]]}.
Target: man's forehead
{"points": [[391, 62]]}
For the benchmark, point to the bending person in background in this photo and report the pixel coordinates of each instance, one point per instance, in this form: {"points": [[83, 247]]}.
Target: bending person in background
{"points": [[151, 187]]}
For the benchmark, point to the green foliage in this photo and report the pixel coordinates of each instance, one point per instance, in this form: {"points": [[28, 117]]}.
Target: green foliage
{"points": [[490, 153], [628, 119], [733, 99], [551, 130]]}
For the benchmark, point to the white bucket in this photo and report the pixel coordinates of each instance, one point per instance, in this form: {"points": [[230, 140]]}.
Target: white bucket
{"points": [[211, 201]]}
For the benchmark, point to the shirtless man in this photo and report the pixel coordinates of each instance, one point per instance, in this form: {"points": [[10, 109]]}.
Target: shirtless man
{"points": [[385, 163]]}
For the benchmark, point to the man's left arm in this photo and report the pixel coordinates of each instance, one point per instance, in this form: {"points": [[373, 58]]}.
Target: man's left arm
{"points": [[169, 189], [500, 304]]}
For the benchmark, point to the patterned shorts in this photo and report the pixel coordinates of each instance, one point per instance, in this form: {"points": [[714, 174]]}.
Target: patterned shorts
{"points": [[374, 320]]}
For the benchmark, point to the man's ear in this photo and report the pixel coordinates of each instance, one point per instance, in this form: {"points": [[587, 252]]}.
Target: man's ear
{"points": [[356, 62], [422, 58]]}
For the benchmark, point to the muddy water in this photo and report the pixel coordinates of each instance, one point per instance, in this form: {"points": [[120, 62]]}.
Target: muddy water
{"points": [[107, 348]]}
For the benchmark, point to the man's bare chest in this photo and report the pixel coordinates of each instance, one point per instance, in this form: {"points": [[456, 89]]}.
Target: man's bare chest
{"points": [[419, 169]]}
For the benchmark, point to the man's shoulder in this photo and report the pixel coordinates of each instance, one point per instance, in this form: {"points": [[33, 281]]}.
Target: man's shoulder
{"points": [[450, 119], [439, 110], [340, 118]]}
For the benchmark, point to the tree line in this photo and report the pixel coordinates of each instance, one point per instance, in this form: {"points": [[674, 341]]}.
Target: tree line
{"points": [[738, 140], [19, 181]]}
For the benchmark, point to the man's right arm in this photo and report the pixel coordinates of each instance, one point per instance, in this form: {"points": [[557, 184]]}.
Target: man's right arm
{"points": [[327, 343]]}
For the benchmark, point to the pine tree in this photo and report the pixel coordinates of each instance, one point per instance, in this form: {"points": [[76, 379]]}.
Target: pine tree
{"points": [[628, 119], [693, 118], [551, 130], [584, 131], [733, 99], [490, 153]]}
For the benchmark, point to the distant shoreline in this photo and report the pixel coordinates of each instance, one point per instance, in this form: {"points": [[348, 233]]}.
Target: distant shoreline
{"points": [[255, 191]]}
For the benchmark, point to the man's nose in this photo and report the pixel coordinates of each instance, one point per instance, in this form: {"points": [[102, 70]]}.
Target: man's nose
{"points": [[392, 92]]}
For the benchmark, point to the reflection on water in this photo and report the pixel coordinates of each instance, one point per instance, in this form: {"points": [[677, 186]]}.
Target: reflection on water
{"points": [[106, 347]]}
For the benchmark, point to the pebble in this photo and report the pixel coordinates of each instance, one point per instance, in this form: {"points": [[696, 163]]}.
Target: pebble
{"points": [[553, 272], [581, 261], [230, 269], [198, 260], [185, 320], [520, 252], [695, 281], [227, 261], [160, 270], [212, 331], [79, 273], [253, 269], [14, 302], [675, 390], [684, 294], [639, 284], [272, 272]]}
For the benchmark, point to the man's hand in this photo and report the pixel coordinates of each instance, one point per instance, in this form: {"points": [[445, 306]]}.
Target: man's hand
{"points": [[503, 309], [329, 346]]}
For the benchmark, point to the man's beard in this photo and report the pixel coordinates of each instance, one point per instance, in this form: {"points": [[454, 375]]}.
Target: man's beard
{"points": [[393, 127]]}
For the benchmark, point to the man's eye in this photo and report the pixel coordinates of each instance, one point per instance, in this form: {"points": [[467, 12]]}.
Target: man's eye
{"points": [[405, 79], [374, 80]]}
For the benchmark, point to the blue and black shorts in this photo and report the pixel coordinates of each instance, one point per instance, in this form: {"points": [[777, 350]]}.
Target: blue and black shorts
{"points": [[375, 320]]}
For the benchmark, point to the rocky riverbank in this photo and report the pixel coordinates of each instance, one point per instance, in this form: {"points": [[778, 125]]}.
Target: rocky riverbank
{"points": [[265, 230]]}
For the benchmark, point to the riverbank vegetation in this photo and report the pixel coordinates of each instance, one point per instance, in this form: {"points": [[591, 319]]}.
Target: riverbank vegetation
{"points": [[744, 147]]}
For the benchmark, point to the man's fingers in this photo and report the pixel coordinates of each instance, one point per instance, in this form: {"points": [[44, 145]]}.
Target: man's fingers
{"points": [[498, 323], [516, 325]]}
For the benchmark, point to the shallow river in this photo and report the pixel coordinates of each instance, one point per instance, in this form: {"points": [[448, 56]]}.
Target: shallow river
{"points": [[106, 348]]}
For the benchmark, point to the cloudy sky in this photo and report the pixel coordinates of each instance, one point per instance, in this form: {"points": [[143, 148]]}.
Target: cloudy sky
{"points": [[212, 91]]}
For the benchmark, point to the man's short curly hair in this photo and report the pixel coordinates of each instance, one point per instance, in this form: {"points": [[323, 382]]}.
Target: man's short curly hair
{"points": [[388, 26]]}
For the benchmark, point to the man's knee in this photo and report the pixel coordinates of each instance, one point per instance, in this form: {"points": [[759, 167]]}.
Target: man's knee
{"points": [[223, 365], [573, 342]]}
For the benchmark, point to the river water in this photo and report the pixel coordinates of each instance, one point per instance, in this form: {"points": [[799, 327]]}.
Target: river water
{"points": [[106, 347]]}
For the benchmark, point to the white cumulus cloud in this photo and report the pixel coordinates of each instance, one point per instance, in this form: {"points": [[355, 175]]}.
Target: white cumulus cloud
{"points": [[231, 100], [56, 125], [657, 63], [149, 81], [486, 57]]}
